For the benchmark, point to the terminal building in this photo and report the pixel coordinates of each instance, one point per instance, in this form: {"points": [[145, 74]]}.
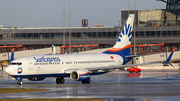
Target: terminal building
{"points": [[156, 30]]}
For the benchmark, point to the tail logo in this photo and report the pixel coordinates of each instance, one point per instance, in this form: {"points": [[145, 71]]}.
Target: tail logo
{"points": [[124, 40], [125, 31]]}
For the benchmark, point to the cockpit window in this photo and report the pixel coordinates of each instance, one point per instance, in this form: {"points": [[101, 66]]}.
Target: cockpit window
{"points": [[13, 63]]}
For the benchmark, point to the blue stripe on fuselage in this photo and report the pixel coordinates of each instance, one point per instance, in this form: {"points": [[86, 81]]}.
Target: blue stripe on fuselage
{"points": [[50, 75], [42, 75]]}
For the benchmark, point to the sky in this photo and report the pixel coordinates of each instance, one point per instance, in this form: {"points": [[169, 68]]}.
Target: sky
{"points": [[49, 13]]}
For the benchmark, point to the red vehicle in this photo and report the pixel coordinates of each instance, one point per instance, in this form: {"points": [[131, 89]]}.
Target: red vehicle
{"points": [[133, 69]]}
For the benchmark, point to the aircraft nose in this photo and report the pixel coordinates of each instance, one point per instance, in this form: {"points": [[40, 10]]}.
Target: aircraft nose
{"points": [[8, 70]]}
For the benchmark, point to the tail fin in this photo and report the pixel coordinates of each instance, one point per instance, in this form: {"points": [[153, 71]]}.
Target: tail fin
{"points": [[12, 55], [123, 43]]}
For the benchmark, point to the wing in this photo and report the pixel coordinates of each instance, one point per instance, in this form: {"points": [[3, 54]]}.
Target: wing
{"points": [[121, 67], [130, 56], [108, 68], [125, 66]]}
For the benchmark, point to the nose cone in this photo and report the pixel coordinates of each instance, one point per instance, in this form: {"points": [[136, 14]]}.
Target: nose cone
{"points": [[9, 70]]}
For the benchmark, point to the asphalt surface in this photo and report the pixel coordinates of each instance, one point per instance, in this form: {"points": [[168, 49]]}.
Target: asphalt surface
{"points": [[149, 85]]}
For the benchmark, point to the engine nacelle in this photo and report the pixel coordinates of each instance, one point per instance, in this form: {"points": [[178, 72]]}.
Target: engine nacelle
{"points": [[80, 75], [36, 78]]}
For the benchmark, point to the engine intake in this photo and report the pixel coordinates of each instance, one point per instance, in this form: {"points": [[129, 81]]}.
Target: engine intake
{"points": [[80, 75]]}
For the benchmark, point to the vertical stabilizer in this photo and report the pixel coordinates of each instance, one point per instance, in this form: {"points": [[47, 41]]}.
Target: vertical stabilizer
{"points": [[123, 43]]}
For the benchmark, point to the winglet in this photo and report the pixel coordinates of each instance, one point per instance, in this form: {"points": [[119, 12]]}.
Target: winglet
{"points": [[12, 55], [169, 58]]}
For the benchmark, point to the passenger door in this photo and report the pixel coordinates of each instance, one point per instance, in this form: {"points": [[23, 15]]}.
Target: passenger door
{"points": [[30, 65]]}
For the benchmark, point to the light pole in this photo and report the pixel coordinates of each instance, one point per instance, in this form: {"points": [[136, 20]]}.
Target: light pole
{"points": [[63, 25], [128, 7], [119, 22], [134, 27], [69, 26], [96, 20]]}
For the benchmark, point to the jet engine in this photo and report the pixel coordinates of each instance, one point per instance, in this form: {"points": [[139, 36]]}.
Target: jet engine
{"points": [[80, 75], [36, 78]]}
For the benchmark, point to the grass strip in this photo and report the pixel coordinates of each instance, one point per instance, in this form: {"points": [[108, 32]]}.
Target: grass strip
{"points": [[19, 90]]}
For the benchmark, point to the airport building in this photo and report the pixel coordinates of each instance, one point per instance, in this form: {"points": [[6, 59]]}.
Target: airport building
{"points": [[34, 38], [155, 30]]}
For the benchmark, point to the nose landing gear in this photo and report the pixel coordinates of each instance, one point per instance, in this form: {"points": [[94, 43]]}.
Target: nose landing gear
{"points": [[19, 80]]}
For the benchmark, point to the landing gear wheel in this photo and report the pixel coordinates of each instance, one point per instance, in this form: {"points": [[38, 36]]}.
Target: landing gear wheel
{"points": [[86, 81], [83, 82], [19, 82], [60, 80]]}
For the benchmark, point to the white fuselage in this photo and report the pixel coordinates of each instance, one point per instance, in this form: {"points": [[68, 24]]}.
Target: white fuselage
{"points": [[52, 65]]}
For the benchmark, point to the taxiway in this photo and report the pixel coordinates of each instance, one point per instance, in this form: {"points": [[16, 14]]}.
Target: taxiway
{"points": [[149, 84]]}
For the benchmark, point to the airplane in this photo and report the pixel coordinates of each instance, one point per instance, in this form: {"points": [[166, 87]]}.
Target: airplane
{"points": [[79, 67]]}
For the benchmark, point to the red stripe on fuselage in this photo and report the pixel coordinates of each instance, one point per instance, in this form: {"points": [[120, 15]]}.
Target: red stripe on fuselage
{"points": [[118, 49]]}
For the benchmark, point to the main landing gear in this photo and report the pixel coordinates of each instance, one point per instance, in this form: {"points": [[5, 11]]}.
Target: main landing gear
{"points": [[60, 80], [86, 81]]}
